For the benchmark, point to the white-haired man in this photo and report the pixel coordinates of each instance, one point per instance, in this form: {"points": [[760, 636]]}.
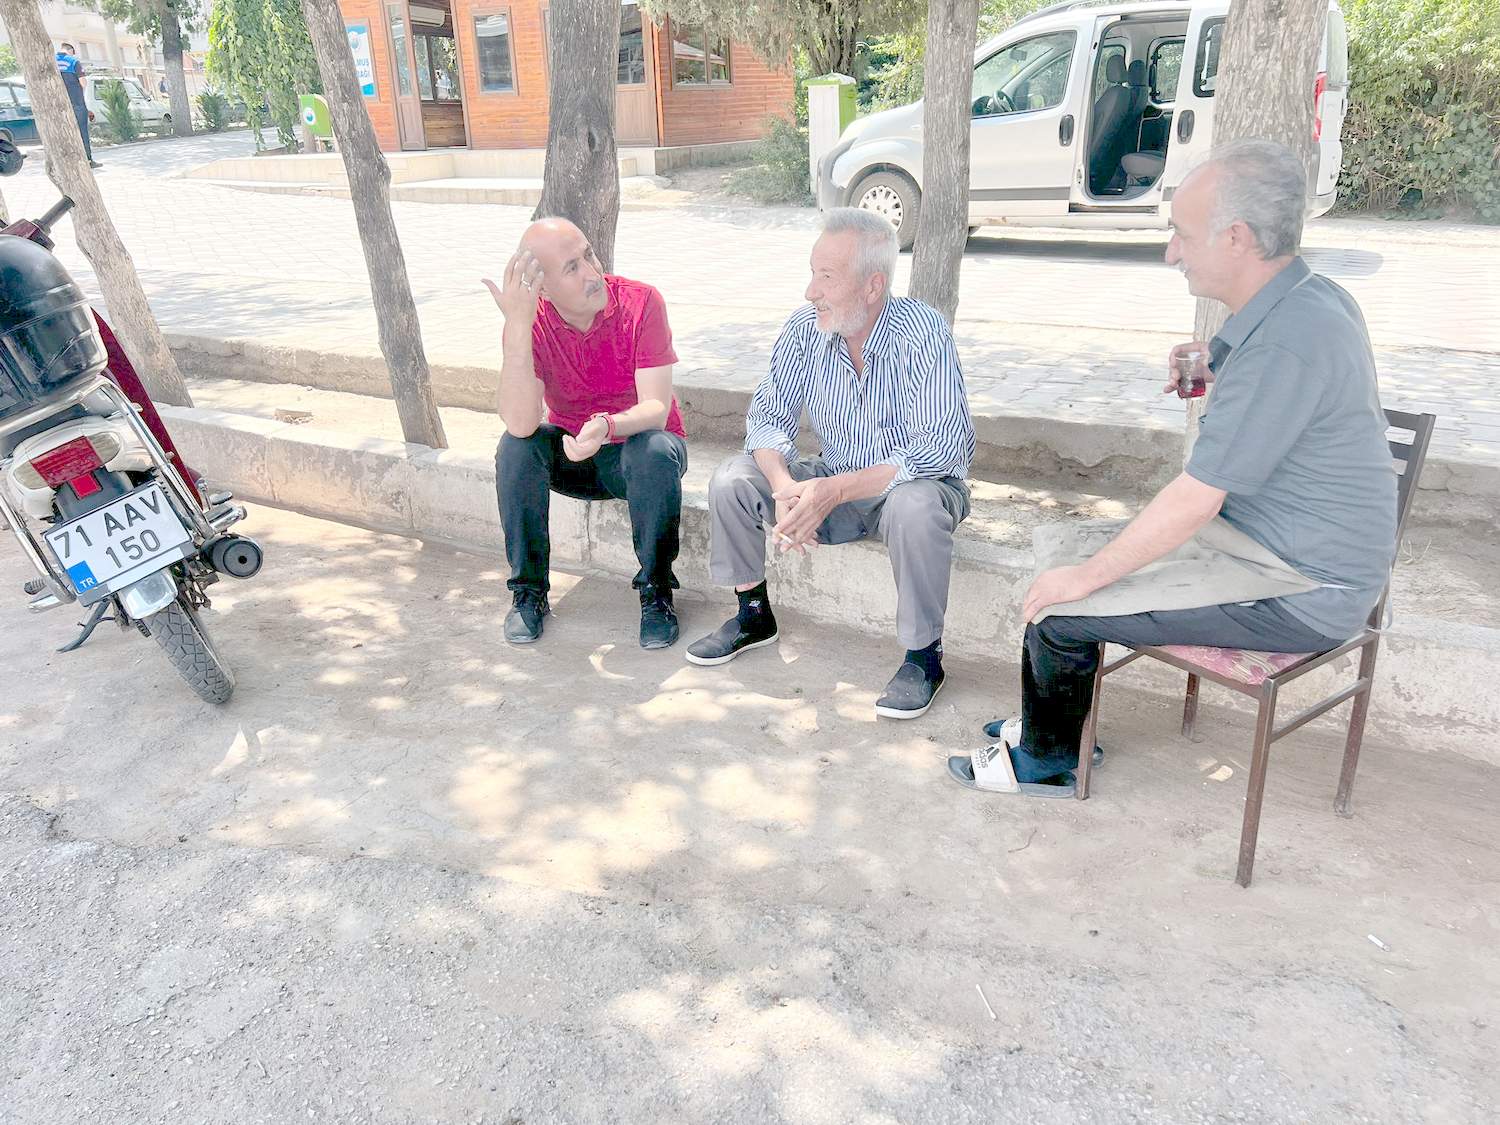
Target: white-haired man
{"points": [[880, 381], [1292, 453]]}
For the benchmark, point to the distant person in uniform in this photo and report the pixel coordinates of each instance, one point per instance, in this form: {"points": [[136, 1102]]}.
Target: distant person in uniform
{"points": [[72, 72]]}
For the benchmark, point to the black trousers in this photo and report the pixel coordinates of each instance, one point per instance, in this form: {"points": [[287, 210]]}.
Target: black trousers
{"points": [[1061, 655], [81, 114], [645, 471]]}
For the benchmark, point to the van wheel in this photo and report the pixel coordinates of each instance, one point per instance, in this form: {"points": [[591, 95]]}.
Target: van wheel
{"points": [[896, 198]]}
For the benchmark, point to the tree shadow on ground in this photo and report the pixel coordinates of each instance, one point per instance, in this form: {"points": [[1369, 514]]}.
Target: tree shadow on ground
{"points": [[731, 892]]}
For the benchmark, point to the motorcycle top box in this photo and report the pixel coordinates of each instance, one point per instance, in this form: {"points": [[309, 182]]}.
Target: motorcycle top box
{"points": [[47, 334]]}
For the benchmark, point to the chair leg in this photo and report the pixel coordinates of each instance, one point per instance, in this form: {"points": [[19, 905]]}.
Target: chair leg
{"points": [[1356, 736], [1090, 735], [1265, 719], [1190, 706]]}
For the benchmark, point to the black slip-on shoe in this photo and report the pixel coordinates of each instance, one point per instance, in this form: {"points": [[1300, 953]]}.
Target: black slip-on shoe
{"points": [[731, 639], [909, 694]]}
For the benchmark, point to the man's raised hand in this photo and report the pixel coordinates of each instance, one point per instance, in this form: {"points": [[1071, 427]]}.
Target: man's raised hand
{"points": [[520, 290]]}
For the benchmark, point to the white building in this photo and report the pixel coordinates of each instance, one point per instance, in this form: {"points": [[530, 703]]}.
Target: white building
{"points": [[105, 46]]}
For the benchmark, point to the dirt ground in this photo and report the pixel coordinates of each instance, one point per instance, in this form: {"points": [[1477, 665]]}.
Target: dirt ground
{"points": [[410, 874]]}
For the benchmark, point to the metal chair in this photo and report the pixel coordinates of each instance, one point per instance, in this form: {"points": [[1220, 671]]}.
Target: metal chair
{"points": [[1261, 675]]}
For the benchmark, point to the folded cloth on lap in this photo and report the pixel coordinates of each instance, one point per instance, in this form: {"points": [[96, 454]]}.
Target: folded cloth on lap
{"points": [[1220, 565]]}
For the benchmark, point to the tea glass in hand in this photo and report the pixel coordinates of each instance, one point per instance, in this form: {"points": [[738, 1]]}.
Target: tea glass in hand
{"points": [[1192, 375]]}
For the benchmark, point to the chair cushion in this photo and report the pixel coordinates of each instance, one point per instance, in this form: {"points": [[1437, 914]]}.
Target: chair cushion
{"points": [[1243, 665]]}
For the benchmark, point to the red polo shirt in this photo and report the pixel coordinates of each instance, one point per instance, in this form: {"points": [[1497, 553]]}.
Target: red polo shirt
{"points": [[583, 373]]}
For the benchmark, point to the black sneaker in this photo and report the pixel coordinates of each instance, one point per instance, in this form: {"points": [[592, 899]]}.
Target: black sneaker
{"points": [[909, 694], [733, 638], [523, 624], [658, 618]]}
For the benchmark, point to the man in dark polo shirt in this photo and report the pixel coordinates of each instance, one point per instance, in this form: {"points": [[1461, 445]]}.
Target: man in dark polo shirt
{"points": [[586, 398], [1292, 452]]}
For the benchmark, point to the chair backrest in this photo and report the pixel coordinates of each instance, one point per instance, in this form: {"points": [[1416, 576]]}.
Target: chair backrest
{"points": [[1410, 456]]}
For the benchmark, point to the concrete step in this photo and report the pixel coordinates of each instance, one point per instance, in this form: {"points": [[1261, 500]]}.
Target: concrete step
{"points": [[1128, 458], [1432, 689]]}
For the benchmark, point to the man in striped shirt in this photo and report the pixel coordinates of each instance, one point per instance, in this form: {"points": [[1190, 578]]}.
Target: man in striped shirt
{"points": [[881, 384]]}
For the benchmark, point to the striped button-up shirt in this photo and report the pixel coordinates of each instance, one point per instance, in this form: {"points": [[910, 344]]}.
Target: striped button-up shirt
{"points": [[909, 409]]}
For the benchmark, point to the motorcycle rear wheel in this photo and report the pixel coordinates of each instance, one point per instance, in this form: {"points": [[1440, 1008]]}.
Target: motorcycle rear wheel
{"points": [[188, 646]]}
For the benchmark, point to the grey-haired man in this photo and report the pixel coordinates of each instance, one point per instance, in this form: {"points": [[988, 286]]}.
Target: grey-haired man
{"points": [[880, 381], [1292, 452]]}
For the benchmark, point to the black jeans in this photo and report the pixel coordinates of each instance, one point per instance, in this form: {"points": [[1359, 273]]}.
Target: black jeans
{"points": [[1061, 655], [81, 114], [645, 471]]}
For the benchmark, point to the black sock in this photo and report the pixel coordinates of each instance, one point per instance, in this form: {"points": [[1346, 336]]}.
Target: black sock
{"points": [[755, 606], [929, 659]]}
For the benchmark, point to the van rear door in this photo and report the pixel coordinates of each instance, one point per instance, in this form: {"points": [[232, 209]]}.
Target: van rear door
{"points": [[1332, 102]]}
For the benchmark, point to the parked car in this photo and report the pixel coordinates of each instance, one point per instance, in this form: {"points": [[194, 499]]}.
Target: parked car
{"points": [[1085, 114], [17, 122], [152, 113]]}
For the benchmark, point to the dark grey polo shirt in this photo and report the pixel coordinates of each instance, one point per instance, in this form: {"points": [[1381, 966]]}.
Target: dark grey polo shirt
{"points": [[1295, 435]]}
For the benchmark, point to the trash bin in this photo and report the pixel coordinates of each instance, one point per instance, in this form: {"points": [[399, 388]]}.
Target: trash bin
{"points": [[832, 102]]}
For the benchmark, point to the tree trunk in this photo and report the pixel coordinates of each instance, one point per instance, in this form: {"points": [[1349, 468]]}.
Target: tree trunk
{"points": [[943, 224], [837, 41], [171, 52], [129, 312], [369, 190], [581, 180], [1264, 90]]}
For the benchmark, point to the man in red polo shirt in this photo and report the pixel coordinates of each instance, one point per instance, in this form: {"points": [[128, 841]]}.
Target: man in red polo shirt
{"points": [[586, 398]]}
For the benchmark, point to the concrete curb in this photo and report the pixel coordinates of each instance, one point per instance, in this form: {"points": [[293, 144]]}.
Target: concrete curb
{"points": [[1137, 456], [1432, 692]]}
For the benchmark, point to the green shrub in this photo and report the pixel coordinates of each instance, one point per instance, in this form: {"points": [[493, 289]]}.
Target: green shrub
{"points": [[215, 109], [1423, 131], [121, 120], [779, 174]]}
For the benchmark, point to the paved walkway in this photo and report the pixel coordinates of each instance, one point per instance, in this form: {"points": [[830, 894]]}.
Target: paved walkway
{"points": [[1048, 323]]}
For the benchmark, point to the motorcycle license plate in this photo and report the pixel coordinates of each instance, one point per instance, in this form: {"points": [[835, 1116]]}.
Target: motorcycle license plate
{"points": [[115, 545]]}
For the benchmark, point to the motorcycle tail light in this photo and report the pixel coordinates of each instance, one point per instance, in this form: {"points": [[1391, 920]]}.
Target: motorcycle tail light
{"points": [[68, 462]]}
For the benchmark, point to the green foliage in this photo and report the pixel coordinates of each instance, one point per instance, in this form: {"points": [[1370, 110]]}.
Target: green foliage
{"points": [[1423, 131], [215, 109], [261, 49], [779, 174], [121, 120], [144, 18], [895, 62], [828, 32], [8, 63]]}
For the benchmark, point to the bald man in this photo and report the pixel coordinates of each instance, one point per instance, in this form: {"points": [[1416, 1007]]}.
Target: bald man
{"points": [[586, 398]]}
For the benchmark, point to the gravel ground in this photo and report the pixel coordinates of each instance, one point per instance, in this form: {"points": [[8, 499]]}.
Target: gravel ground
{"points": [[410, 875]]}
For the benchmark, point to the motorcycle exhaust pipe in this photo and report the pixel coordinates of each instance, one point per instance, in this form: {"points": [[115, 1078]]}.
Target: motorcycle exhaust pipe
{"points": [[234, 555]]}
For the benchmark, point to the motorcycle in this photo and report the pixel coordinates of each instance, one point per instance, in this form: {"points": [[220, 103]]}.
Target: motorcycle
{"points": [[90, 481]]}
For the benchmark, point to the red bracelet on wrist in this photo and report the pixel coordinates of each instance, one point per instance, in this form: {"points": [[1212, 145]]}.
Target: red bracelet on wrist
{"points": [[609, 422]]}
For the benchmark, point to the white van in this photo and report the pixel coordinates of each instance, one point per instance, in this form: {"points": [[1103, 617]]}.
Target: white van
{"points": [[1085, 114], [152, 113]]}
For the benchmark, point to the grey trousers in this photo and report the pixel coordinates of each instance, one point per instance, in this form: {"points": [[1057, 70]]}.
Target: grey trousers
{"points": [[915, 520]]}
